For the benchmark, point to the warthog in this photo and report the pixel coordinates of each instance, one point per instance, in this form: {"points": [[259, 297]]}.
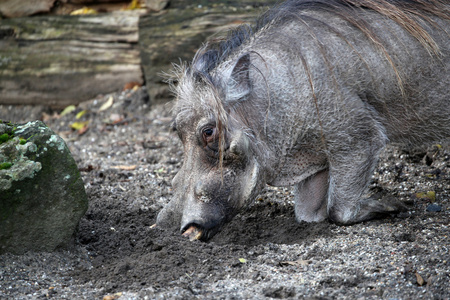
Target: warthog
{"points": [[308, 98]]}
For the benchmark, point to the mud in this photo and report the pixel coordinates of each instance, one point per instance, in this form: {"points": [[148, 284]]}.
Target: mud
{"points": [[128, 157]]}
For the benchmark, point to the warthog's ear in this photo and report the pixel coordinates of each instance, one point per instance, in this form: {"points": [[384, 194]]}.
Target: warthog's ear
{"points": [[239, 85]]}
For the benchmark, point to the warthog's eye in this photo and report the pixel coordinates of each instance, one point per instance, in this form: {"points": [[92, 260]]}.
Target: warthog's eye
{"points": [[209, 134], [210, 138]]}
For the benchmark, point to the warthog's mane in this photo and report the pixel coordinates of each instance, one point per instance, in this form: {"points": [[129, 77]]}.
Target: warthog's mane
{"points": [[407, 13], [404, 12]]}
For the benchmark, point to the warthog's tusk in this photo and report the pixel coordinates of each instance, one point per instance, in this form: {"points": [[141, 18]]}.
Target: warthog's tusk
{"points": [[193, 233]]}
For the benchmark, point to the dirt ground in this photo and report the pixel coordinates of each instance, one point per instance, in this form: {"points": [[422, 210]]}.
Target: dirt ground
{"points": [[128, 157]]}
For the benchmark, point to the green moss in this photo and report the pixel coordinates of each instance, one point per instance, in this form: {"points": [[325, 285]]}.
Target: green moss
{"points": [[4, 137], [5, 165]]}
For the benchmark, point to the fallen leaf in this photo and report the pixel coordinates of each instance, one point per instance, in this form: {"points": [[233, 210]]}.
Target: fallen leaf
{"points": [[160, 170], [430, 195], [243, 260], [107, 104], [67, 110], [131, 85], [112, 297], [79, 125], [80, 114], [420, 280], [135, 4], [298, 262], [83, 11], [119, 121], [123, 167], [115, 118], [83, 130]]}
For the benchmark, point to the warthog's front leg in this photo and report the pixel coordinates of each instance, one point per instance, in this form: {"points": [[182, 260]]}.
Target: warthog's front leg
{"points": [[311, 198]]}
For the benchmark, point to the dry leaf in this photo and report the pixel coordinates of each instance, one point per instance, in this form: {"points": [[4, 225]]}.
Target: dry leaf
{"points": [[83, 11], [115, 118], [430, 195], [299, 262], [80, 114], [83, 130], [127, 168], [79, 125], [67, 110], [112, 297], [420, 280], [107, 104], [161, 170], [131, 86], [135, 4]]}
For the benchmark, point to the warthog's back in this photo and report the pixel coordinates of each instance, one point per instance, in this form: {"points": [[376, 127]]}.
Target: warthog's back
{"points": [[399, 67]]}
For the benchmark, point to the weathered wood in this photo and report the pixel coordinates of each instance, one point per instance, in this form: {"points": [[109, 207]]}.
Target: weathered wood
{"points": [[61, 60], [22, 8], [177, 33]]}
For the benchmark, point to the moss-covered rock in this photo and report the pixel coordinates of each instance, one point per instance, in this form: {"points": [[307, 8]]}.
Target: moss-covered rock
{"points": [[42, 196]]}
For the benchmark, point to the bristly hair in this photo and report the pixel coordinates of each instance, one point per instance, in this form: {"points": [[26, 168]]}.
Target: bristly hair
{"points": [[407, 13]]}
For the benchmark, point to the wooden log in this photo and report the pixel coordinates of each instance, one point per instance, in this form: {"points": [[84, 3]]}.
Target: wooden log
{"points": [[23, 8], [62, 60], [177, 33]]}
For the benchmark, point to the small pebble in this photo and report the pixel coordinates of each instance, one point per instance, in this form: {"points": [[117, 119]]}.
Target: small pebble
{"points": [[434, 207]]}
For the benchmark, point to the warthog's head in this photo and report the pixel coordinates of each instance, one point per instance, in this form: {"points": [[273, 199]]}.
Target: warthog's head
{"points": [[220, 171]]}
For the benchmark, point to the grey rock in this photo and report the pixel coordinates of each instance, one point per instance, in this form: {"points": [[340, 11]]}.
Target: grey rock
{"points": [[434, 208], [42, 196]]}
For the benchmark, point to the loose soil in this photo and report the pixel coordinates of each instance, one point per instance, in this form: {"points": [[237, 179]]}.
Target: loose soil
{"points": [[128, 157]]}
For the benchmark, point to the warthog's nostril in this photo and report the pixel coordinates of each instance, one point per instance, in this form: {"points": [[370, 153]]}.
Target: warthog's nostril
{"points": [[193, 232]]}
